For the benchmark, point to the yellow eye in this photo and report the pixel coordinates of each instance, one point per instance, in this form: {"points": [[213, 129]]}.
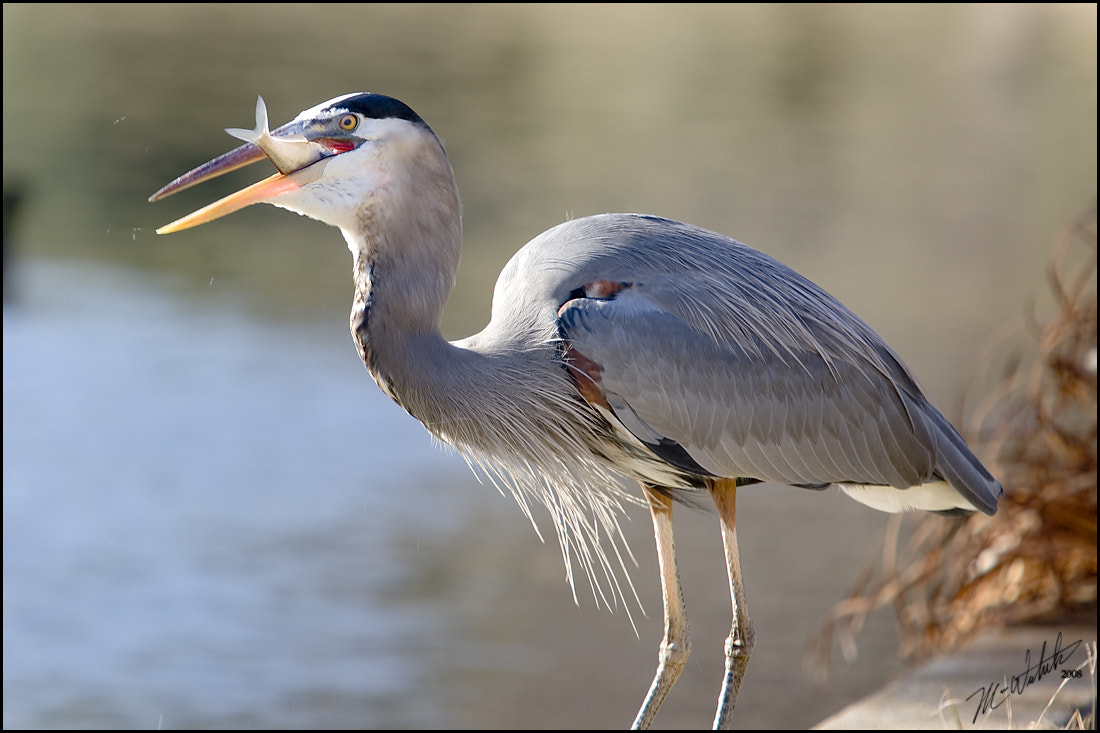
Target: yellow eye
{"points": [[348, 122]]}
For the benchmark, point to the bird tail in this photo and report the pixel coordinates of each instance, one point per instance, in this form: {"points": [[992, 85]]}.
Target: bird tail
{"points": [[960, 467]]}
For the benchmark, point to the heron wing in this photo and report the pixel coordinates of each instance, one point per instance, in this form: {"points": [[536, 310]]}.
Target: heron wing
{"points": [[743, 408], [721, 358]]}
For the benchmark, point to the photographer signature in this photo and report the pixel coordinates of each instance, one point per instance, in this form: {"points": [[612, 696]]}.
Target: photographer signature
{"points": [[995, 694]]}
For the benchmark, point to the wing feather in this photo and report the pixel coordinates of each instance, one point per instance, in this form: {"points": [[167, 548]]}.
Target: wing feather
{"points": [[793, 417]]}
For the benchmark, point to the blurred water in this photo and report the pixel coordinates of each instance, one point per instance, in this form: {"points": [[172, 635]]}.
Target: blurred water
{"points": [[212, 518], [179, 511]]}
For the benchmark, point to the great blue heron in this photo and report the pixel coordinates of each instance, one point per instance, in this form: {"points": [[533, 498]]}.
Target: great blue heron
{"points": [[618, 344]]}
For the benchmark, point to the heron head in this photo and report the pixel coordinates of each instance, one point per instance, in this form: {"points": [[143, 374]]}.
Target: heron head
{"points": [[330, 158]]}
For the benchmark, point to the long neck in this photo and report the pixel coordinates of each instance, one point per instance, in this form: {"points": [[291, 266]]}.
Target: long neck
{"points": [[500, 393], [406, 248]]}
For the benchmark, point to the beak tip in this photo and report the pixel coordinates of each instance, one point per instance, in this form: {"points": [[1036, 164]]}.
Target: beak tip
{"points": [[163, 192]]}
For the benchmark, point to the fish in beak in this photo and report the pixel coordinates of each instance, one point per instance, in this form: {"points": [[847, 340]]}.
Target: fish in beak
{"points": [[299, 160]]}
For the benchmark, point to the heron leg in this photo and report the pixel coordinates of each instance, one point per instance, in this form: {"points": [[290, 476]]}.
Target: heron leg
{"points": [[741, 639], [675, 647]]}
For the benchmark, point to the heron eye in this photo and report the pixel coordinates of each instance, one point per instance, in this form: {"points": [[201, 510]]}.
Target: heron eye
{"points": [[348, 122]]}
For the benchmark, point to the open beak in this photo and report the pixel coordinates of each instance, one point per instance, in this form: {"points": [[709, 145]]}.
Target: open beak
{"points": [[300, 161]]}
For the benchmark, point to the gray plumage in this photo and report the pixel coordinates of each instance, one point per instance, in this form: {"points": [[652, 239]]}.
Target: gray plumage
{"points": [[618, 345]]}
